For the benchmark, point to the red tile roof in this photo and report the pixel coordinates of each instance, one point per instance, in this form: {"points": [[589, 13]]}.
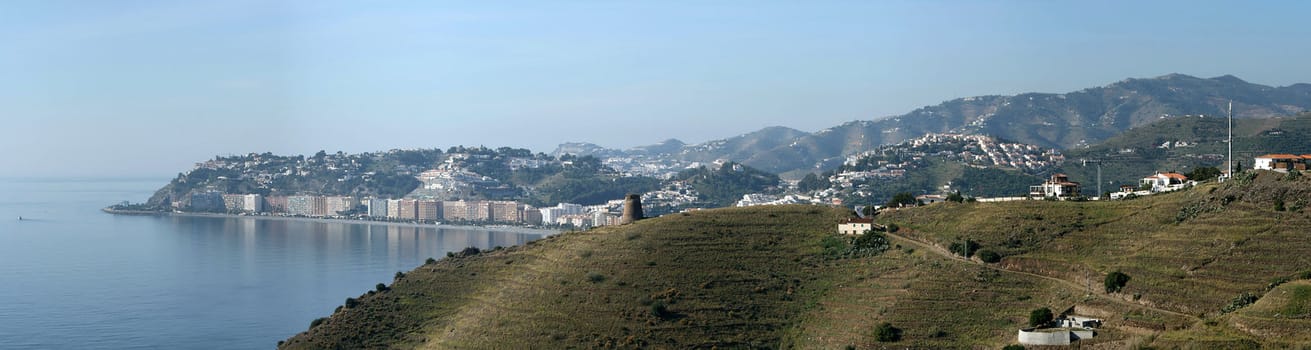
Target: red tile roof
{"points": [[1280, 156], [1175, 176]]}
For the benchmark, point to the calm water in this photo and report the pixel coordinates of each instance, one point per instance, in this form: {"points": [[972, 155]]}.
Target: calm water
{"points": [[72, 277]]}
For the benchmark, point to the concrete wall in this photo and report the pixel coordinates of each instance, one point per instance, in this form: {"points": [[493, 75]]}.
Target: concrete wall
{"points": [[1061, 337], [1000, 199]]}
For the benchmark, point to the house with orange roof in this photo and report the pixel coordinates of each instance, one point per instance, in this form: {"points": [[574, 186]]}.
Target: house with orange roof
{"points": [[1282, 162], [1166, 182], [1058, 186]]}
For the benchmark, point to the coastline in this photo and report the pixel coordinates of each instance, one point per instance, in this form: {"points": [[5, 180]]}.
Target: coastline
{"points": [[515, 229]]}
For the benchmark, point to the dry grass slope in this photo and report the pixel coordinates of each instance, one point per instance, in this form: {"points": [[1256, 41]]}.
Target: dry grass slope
{"points": [[1190, 252], [759, 278]]}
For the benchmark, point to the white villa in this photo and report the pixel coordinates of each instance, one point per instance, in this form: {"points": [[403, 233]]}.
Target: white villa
{"points": [[855, 226]]}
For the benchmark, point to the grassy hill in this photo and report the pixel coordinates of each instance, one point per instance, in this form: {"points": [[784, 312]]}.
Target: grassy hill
{"points": [[1192, 253], [778, 277]]}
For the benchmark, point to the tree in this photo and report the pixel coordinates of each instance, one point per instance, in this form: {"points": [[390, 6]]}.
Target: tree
{"points": [[901, 199], [965, 249], [885, 333], [1040, 317], [1115, 281], [1203, 173], [989, 256], [956, 197]]}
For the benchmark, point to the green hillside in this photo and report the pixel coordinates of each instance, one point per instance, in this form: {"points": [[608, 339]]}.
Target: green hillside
{"points": [[778, 277], [1137, 152], [1194, 252]]}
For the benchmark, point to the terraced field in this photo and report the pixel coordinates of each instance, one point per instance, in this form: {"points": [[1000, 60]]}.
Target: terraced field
{"points": [[1187, 264], [779, 277]]}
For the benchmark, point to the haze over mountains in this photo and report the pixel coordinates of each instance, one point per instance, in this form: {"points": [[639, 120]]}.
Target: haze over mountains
{"points": [[1057, 120]]}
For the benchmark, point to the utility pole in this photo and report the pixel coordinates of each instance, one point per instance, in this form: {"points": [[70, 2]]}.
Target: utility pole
{"points": [[1099, 174], [1231, 138]]}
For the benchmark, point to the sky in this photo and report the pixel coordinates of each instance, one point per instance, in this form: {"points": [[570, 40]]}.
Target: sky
{"points": [[147, 88]]}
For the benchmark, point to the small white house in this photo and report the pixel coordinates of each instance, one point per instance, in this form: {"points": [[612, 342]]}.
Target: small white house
{"points": [[1165, 182], [855, 226]]}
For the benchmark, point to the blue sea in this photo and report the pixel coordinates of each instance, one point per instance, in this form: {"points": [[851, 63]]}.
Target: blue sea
{"points": [[73, 277]]}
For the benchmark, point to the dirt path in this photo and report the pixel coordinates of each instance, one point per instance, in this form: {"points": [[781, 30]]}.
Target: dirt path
{"points": [[1075, 286]]}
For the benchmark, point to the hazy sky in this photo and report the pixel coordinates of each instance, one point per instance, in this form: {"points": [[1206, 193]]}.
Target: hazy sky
{"points": [[146, 88]]}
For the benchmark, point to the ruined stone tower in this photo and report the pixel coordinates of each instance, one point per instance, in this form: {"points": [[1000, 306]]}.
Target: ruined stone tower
{"points": [[632, 209]]}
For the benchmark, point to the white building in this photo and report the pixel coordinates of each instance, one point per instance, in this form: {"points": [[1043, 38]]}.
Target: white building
{"points": [[252, 203], [855, 226], [1165, 182]]}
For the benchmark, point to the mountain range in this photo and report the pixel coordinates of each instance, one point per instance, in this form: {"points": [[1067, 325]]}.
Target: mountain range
{"points": [[1057, 120]]}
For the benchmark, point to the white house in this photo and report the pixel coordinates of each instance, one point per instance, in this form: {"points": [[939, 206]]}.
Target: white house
{"points": [[1058, 186], [1281, 162], [1165, 182], [855, 226]]}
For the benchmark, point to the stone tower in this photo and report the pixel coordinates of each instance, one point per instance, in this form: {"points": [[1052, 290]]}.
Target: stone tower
{"points": [[632, 209]]}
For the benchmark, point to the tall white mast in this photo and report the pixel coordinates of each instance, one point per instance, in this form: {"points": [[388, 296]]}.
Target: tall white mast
{"points": [[1231, 139]]}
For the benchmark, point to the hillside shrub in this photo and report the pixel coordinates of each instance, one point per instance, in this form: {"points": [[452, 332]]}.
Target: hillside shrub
{"points": [[352, 302], [1040, 317], [893, 228], [1239, 302], [989, 256], [595, 277], [965, 249], [430, 261], [1013, 347], [900, 200], [864, 245], [1115, 281], [470, 251], [886, 333], [318, 321], [399, 275], [380, 287], [659, 309]]}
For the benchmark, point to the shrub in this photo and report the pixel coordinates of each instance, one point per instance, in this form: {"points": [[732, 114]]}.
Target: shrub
{"points": [[659, 310], [595, 277], [901, 199], [430, 261], [318, 321], [893, 228], [1115, 281], [1040, 317], [380, 287], [1242, 300], [470, 251], [351, 303], [989, 256], [885, 333], [399, 275], [966, 249], [1013, 347]]}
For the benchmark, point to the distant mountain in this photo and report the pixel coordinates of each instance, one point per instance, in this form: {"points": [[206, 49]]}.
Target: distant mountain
{"points": [[738, 147], [744, 146], [1068, 120], [670, 146]]}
